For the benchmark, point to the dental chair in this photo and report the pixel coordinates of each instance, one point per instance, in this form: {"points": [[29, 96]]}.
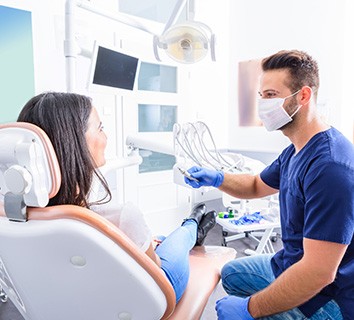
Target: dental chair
{"points": [[67, 262]]}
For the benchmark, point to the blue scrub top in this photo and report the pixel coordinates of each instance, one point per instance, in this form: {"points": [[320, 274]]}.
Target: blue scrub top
{"points": [[316, 195]]}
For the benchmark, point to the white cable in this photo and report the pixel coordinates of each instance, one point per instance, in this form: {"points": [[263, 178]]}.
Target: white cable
{"points": [[220, 160], [188, 146], [217, 153], [194, 143], [186, 153], [194, 147], [217, 158], [218, 165]]}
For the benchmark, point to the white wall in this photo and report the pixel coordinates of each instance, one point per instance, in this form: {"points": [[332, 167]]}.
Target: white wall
{"points": [[260, 28], [346, 116], [210, 81]]}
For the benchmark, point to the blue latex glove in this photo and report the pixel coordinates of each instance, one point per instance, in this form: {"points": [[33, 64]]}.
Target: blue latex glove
{"points": [[205, 177], [233, 308]]}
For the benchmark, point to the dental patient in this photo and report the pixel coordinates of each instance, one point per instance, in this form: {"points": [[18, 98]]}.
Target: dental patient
{"points": [[76, 132]]}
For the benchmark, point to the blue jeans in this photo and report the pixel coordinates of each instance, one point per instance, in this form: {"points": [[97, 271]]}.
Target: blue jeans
{"points": [[174, 254], [245, 276]]}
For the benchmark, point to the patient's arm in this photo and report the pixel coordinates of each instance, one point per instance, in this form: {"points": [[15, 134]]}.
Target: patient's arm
{"points": [[151, 253]]}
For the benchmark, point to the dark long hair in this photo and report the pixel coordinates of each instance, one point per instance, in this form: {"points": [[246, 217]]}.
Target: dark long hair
{"points": [[303, 69], [64, 118]]}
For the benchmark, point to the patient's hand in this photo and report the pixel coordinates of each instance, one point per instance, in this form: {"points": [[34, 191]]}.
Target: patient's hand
{"points": [[154, 257], [155, 242]]}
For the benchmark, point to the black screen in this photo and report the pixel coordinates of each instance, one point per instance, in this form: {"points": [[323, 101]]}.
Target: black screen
{"points": [[115, 69]]}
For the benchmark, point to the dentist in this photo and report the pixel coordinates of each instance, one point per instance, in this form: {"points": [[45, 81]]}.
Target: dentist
{"points": [[312, 277]]}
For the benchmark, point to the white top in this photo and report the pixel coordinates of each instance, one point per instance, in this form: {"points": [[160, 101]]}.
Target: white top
{"points": [[129, 219]]}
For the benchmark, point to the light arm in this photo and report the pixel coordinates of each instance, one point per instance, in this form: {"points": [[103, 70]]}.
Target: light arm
{"points": [[148, 142]]}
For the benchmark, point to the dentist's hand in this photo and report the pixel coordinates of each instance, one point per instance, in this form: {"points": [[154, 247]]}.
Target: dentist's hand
{"points": [[205, 177], [233, 308]]}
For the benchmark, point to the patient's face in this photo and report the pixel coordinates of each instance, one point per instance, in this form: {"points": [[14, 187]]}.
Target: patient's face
{"points": [[96, 138]]}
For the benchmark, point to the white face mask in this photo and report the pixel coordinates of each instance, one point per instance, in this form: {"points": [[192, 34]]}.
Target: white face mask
{"points": [[272, 113]]}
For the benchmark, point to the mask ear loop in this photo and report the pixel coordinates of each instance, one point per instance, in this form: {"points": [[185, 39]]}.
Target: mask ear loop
{"points": [[299, 107], [296, 92], [297, 110]]}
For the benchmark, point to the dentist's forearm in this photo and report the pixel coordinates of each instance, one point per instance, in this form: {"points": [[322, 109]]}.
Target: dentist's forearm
{"points": [[245, 186], [301, 281], [291, 289]]}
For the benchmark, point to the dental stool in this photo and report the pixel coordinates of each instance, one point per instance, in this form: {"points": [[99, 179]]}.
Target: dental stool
{"points": [[67, 262]]}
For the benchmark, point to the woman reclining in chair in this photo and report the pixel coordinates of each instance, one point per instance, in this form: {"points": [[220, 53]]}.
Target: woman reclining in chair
{"points": [[76, 132]]}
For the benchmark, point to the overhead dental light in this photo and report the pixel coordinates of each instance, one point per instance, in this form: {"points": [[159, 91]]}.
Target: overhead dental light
{"points": [[186, 42]]}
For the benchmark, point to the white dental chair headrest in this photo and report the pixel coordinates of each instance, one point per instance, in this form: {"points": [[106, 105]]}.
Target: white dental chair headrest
{"points": [[29, 169]]}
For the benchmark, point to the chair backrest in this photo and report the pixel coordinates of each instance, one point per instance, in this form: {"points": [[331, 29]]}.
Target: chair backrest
{"points": [[29, 169], [66, 262]]}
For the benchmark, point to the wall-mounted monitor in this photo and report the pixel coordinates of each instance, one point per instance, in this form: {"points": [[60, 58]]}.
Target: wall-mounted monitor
{"points": [[112, 70]]}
